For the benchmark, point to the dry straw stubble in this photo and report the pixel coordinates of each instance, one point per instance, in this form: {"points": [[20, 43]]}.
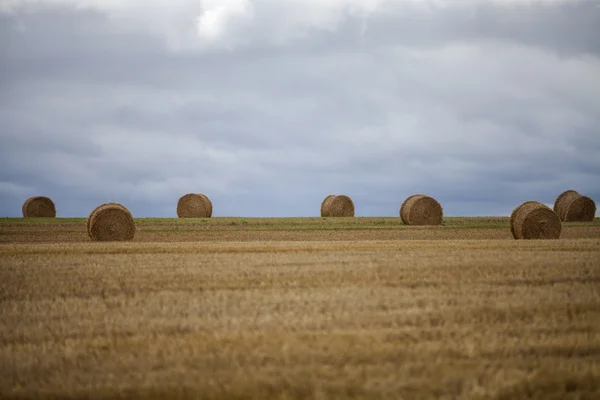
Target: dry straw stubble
{"points": [[420, 209], [111, 222], [535, 220], [194, 205], [337, 206], [570, 206], [38, 207]]}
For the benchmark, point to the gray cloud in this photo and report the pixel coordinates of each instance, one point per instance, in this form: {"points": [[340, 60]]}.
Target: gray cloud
{"points": [[480, 104]]}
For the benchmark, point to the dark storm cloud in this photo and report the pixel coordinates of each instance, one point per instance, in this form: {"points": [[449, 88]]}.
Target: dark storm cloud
{"points": [[480, 104]]}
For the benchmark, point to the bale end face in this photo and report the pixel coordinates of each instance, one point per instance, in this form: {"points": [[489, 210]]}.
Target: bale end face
{"points": [[513, 215], [325, 205], [111, 222], [535, 220], [38, 207], [561, 202]]}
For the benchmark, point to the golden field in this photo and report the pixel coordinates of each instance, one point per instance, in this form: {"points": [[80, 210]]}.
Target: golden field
{"points": [[291, 308]]}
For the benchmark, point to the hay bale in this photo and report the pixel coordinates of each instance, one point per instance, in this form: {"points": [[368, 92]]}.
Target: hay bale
{"points": [[38, 207], [100, 207], [570, 206], [420, 209], [535, 220], [111, 222], [337, 206], [194, 205], [325, 205]]}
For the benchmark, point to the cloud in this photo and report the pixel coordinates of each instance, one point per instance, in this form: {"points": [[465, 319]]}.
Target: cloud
{"points": [[268, 106], [217, 16], [196, 25]]}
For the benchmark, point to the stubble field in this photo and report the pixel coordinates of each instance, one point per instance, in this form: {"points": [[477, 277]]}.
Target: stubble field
{"points": [[293, 308]]}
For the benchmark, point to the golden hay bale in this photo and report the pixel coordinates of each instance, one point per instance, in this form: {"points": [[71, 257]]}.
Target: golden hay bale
{"points": [[194, 205], [570, 206], [100, 207], [325, 205], [420, 209], [535, 220], [111, 222], [337, 206], [39, 207]]}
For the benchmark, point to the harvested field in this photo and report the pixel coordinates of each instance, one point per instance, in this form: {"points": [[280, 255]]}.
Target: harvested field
{"points": [[299, 308]]}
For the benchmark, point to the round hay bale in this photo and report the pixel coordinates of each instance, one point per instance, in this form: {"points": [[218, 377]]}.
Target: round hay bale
{"points": [[570, 206], [325, 205], [111, 222], [420, 209], [535, 220], [194, 205], [39, 207], [100, 207], [337, 206]]}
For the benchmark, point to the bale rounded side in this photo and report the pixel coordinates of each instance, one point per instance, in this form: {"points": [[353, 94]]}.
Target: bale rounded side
{"points": [[194, 205], [421, 210], [39, 207], [111, 222], [535, 220]]}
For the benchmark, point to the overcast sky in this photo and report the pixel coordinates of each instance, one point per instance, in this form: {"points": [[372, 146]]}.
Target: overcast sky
{"points": [[268, 106]]}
